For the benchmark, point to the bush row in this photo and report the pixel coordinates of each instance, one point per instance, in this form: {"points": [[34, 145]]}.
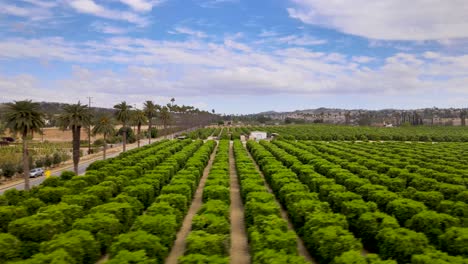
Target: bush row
{"points": [[345, 192], [99, 203], [410, 213], [325, 234], [209, 239], [153, 234], [269, 238]]}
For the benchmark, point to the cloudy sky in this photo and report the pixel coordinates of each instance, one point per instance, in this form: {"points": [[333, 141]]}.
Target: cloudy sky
{"points": [[237, 56]]}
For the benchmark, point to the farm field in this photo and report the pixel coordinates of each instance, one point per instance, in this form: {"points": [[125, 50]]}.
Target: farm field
{"points": [[340, 132], [284, 201]]}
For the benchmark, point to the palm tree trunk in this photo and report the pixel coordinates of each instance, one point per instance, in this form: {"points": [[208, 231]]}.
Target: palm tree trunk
{"points": [[138, 134], [124, 138], [105, 148], [25, 162], [149, 130], [76, 130]]}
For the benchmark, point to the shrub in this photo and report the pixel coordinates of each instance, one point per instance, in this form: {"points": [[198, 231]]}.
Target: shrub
{"points": [[35, 229], [455, 241], [79, 244], [127, 257], [122, 211], [31, 205], [139, 240], [143, 192], [216, 193], [200, 258], [103, 226], [200, 242], [57, 257], [87, 201], [371, 223], [162, 226], [211, 223], [269, 256], [67, 175], [404, 209], [355, 257], [9, 247], [400, 244], [52, 195], [432, 224], [10, 213], [331, 242]]}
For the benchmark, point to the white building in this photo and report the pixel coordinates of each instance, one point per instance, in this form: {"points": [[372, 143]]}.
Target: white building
{"points": [[258, 135]]}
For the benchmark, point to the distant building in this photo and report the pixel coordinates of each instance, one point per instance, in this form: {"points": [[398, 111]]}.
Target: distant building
{"points": [[258, 135]]}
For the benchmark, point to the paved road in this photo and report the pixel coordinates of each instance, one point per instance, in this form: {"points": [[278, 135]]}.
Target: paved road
{"points": [[81, 167]]}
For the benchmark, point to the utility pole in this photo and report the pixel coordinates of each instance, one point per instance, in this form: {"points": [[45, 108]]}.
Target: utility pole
{"points": [[89, 125]]}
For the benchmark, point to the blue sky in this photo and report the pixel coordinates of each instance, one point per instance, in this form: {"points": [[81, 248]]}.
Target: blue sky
{"points": [[237, 56]]}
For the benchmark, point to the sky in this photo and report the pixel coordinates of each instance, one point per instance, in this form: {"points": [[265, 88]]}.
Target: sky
{"points": [[237, 56]]}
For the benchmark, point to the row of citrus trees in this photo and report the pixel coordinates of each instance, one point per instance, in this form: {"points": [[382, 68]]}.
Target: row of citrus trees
{"points": [[398, 228], [78, 219], [209, 239], [350, 133]]}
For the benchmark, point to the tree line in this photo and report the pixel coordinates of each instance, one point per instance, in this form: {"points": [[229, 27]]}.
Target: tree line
{"points": [[24, 118]]}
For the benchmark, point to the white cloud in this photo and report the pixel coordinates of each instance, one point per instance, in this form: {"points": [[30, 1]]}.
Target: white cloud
{"points": [[107, 28], [362, 59], [268, 33], [200, 67], [142, 5], [301, 40], [189, 31], [91, 8], [388, 20]]}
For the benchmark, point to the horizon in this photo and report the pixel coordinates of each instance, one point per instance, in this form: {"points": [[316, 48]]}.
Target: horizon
{"points": [[237, 56]]}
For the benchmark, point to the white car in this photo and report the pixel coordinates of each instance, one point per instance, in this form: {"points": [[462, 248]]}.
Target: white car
{"points": [[36, 172]]}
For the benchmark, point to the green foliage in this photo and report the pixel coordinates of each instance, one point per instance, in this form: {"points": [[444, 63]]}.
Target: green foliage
{"points": [[135, 257], [140, 240], [355, 257], [57, 257], [79, 244], [201, 242], [87, 201], [330, 242], [52, 195], [10, 213], [400, 244], [455, 241], [103, 226], [35, 229], [162, 226], [123, 211], [276, 257], [404, 209], [201, 259], [432, 224], [67, 175], [211, 223], [216, 193], [9, 247], [371, 223]]}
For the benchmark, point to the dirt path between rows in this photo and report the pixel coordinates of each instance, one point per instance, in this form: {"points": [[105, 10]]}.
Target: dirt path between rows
{"points": [[179, 245], [239, 252], [300, 244]]}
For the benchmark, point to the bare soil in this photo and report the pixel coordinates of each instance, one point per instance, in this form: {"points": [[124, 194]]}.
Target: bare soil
{"points": [[239, 253], [178, 248], [300, 244]]}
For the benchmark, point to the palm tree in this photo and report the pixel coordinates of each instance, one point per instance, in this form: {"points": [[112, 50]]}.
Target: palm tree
{"points": [[139, 118], [172, 100], [150, 110], [165, 116], [75, 117], [105, 127], [24, 117], [123, 116]]}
